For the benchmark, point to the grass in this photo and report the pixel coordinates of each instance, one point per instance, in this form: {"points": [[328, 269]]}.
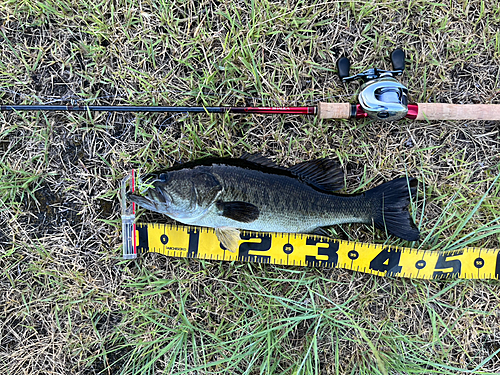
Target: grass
{"points": [[70, 304]]}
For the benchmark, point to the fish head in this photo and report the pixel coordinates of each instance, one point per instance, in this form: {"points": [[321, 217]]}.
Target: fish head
{"points": [[183, 194]]}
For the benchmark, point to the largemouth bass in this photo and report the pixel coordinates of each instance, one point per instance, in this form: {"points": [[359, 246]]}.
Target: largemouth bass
{"points": [[254, 193]]}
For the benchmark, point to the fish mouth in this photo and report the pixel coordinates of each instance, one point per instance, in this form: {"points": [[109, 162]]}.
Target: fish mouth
{"points": [[155, 200]]}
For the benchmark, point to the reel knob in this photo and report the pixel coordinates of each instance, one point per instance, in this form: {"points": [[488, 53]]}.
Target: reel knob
{"points": [[398, 59], [343, 66]]}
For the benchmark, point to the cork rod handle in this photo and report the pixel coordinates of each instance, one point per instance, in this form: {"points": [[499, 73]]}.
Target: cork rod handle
{"points": [[334, 110], [441, 111]]}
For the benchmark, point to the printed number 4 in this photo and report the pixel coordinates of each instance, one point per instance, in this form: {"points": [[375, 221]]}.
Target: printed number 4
{"points": [[387, 260]]}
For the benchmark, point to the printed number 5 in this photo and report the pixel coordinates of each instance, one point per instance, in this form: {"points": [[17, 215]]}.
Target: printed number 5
{"points": [[444, 263]]}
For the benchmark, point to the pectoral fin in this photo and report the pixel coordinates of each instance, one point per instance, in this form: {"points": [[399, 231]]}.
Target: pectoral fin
{"points": [[228, 237], [239, 211]]}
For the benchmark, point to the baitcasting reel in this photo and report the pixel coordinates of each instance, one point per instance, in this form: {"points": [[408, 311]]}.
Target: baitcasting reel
{"points": [[382, 97]]}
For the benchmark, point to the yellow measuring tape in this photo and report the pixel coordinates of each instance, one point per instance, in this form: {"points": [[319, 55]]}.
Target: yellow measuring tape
{"points": [[317, 251]]}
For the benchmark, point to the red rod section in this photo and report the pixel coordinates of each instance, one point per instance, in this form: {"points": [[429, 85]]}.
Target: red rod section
{"points": [[275, 110]]}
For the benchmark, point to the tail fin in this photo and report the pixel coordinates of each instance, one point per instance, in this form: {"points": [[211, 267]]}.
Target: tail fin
{"points": [[392, 213]]}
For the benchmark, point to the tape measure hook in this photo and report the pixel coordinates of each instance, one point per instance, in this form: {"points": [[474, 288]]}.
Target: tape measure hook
{"points": [[128, 218]]}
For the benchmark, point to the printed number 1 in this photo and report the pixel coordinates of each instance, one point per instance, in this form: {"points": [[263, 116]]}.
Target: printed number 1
{"points": [[497, 267], [194, 241]]}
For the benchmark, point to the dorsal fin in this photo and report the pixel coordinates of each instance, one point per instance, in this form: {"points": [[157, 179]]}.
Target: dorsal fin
{"points": [[260, 159], [324, 174]]}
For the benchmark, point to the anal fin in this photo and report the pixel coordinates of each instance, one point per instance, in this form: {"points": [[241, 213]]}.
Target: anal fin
{"points": [[228, 237], [321, 232]]}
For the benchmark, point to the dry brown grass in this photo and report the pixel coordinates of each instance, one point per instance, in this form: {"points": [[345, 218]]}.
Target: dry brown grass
{"points": [[69, 304]]}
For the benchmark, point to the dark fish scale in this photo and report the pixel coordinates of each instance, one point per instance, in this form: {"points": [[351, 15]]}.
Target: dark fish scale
{"points": [[288, 199]]}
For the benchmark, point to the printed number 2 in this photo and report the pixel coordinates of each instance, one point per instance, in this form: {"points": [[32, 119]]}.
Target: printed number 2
{"points": [[387, 260], [263, 246], [443, 263]]}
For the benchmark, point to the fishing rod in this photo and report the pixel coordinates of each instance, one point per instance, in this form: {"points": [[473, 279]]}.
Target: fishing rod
{"points": [[382, 97]]}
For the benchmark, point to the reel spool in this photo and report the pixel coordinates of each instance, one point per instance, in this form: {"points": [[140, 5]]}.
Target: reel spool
{"points": [[382, 97]]}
